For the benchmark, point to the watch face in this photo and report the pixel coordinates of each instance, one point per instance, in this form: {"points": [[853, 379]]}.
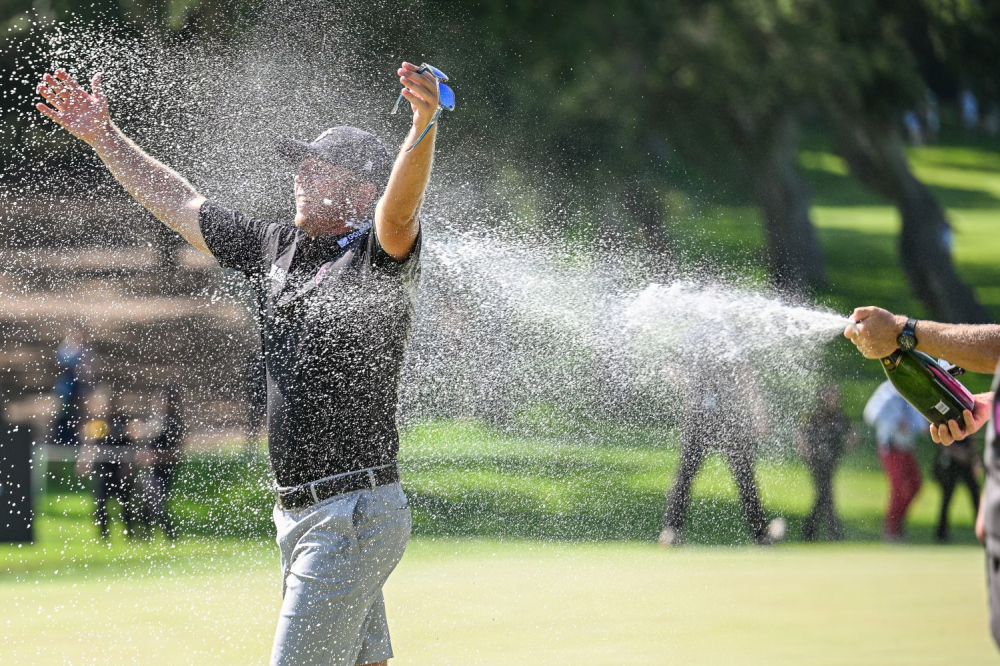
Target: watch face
{"points": [[906, 342]]}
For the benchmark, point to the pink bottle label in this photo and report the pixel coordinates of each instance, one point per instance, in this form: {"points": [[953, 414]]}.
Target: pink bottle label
{"points": [[954, 386]]}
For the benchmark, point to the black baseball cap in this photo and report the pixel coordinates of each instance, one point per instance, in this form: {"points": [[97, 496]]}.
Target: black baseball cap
{"points": [[343, 146]]}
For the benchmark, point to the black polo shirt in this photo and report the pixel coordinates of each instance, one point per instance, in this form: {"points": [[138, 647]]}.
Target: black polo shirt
{"points": [[335, 315]]}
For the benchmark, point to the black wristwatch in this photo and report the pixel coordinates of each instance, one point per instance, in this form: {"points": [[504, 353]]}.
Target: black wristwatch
{"points": [[907, 340]]}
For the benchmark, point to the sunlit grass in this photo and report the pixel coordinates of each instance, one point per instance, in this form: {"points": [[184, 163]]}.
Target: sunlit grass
{"points": [[493, 603], [467, 480]]}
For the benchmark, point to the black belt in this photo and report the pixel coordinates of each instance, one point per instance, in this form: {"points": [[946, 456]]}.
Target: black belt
{"points": [[302, 496]]}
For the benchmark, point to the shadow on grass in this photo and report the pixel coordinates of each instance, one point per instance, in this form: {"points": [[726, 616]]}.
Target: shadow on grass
{"points": [[834, 189]]}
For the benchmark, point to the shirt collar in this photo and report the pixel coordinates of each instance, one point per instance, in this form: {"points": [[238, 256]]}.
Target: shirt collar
{"points": [[337, 242]]}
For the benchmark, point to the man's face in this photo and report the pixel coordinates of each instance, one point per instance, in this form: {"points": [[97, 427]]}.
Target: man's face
{"points": [[329, 198]]}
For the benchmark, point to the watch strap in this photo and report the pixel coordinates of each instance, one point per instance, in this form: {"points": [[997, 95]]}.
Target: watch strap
{"points": [[909, 333]]}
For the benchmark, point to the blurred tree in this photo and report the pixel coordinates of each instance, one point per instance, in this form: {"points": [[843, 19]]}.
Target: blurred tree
{"points": [[22, 22], [615, 91], [724, 84], [720, 84], [879, 48]]}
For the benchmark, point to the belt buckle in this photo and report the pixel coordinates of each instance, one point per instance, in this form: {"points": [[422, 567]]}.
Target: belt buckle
{"points": [[291, 501]]}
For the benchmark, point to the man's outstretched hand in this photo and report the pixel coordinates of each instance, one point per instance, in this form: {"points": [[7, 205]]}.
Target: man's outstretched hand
{"points": [[948, 433], [84, 115]]}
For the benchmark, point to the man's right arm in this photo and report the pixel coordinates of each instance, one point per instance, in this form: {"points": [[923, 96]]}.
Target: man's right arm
{"points": [[160, 189], [975, 347]]}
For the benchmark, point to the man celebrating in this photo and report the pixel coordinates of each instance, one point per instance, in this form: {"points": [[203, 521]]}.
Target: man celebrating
{"points": [[334, 292]]}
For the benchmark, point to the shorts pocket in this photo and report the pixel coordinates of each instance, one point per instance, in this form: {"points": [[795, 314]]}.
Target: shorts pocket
{"points": [[394, 499]]}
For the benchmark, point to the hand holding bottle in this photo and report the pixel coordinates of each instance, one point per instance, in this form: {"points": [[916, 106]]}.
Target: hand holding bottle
{"points": [[950, 432], [874, 330]]}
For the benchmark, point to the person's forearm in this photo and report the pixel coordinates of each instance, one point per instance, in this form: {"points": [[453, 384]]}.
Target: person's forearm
{"points": [[158, 188], [875, 331], [975, 347], [409, 178]]}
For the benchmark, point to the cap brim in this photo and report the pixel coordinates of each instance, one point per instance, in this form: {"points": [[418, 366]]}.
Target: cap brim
{"points": [[294, 152]]}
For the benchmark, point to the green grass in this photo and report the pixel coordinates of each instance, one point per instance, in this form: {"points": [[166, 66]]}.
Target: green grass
{"points": [[465, 480], [489, 602]]}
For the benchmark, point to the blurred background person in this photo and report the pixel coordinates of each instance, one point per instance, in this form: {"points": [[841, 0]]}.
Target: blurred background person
{"points": [[107, 457], [722, 412], [897, 426], [970, 109], [73, 387], [991, 121], [931, 117], [914, 132], [955, 464], [821, 442], [163, 456]]}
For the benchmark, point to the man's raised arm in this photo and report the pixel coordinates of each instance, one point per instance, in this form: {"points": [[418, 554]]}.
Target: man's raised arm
{"points": [[396, 213], [160, 189]]}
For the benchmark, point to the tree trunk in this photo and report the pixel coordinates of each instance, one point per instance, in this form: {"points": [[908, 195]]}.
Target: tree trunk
{"points": [[794, 253], [874, 152]]}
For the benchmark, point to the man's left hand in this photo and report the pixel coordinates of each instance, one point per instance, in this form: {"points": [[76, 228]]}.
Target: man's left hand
{"points": [[951, 432], [421, 91]]}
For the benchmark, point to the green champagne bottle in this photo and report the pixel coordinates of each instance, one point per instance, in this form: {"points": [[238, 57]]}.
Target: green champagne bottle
{"points": [[934, 392]]}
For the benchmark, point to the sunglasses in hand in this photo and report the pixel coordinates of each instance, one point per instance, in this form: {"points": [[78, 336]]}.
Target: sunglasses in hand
{"points": [[446, 100]]}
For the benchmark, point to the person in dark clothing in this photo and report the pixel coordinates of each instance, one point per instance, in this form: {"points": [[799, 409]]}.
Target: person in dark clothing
{"points": [[164, 454], [108, 455], [820, 442], [958, 463], [334, 289], [254, 396], [720, 413]]}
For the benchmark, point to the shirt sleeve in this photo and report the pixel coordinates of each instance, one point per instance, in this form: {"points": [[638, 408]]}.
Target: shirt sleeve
{"points": [[407, 269], [237, 241]]}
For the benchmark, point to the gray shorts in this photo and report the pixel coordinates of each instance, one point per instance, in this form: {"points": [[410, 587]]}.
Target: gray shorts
{"points": [[335, 557]]}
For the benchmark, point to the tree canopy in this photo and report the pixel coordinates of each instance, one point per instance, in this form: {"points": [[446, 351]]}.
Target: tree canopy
{"points": [[650, 90]]}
